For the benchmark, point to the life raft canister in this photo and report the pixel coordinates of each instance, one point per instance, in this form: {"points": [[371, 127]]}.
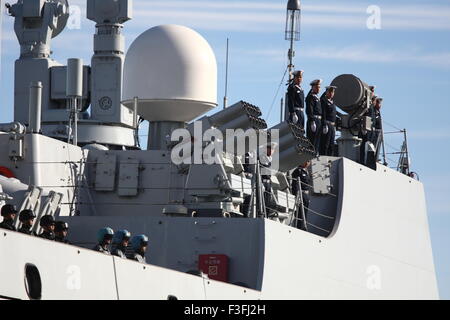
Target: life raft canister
{"points": [[6, 172]]}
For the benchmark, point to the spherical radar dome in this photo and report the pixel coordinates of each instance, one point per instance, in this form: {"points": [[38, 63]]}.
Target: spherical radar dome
{"points": [[173, 72]]}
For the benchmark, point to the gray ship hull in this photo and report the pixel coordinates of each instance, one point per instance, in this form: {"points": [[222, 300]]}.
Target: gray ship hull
{"points": [[379, 249]]}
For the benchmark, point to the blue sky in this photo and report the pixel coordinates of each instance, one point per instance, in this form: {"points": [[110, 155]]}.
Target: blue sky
{"points": [[408, 60]]}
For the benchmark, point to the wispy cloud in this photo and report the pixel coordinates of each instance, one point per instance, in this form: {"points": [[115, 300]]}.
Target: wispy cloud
{"points": [[424, 11], [268, 16], [362, 53], [230, 15], [431, 134]]}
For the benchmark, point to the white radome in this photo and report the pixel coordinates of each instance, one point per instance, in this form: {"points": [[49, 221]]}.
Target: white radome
{"points": [[173, 72]]}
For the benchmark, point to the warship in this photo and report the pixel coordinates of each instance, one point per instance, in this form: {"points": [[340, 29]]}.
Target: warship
{"points": [[73, 152]]}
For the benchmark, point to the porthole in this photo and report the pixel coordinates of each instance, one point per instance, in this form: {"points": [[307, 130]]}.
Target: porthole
{"points": [[33, 284]]}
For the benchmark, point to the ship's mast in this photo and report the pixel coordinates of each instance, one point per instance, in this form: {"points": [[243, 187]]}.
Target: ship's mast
{"points": [[292, 33]]}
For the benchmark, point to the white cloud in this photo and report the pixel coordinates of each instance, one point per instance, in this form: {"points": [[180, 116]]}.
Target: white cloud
{"points": [[213, 5], [220, 15], [361, 53], [427, 11], [272, 22], [431, 134], [264, 16]]}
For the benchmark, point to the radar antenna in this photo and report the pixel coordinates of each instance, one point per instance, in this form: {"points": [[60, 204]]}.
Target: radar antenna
{"points": [[36, 23]]}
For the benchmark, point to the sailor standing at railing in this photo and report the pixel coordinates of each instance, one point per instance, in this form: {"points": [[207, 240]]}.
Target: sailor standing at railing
{"points": [[120, 243], [9, 212], [104, 238], [139, 245], [363, 134], [61, 231], [265, 160], [296, 100], [301, 183], [26, 218], [47, 223], [314, 112], [377, 125], [329, 121]]}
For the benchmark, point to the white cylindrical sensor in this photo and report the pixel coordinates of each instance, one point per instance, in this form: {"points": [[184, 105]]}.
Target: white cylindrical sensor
{"points": [[74, 83], [35, 107]]}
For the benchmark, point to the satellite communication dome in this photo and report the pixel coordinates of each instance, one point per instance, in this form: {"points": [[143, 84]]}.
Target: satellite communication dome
{"points": [[172, 70]]}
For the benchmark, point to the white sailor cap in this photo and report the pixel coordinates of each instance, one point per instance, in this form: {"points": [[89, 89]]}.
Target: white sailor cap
{"points": [[331, 88], [316, 82], [297, 73]]}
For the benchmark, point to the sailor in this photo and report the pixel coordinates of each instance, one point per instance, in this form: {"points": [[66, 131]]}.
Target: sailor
{"points": [[9, 212], [249, 165], [120, 243], [301, 182], [377, 124], [104, 238], [61, 231], [48, 225], [329, 121], [139, 245], [364, 135], [26, 217], [374, 98], [265, 159], [296, 100], [314, 112]]}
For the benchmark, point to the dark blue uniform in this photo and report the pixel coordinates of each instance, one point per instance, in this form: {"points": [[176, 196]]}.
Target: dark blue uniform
{"points": [[8, 225], [377, 126], [296, 103], [329, 120], [301, 181], [61, 239], [47, 235], [26, 230], [314, 112], [269, 198]]}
